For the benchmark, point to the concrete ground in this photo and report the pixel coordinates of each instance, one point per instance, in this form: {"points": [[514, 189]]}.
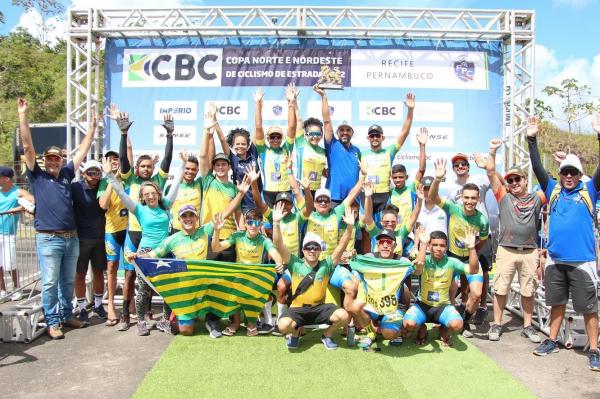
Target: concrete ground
{"points": [[100, 362]]}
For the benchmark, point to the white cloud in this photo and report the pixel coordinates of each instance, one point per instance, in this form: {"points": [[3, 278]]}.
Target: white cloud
{"points": [[550, 71], [128, 4], [577, 4], [32, 22]]}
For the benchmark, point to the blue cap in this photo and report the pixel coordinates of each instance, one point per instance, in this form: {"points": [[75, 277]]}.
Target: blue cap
{"points": [[7, 172]]}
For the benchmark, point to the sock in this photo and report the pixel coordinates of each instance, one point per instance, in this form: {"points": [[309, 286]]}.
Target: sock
{"points": [[81, 303], [370, 331], [97, 300], [281, 307], [267, 312], [126, 303]]}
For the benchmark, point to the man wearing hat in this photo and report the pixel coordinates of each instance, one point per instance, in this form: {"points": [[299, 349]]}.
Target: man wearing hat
{"points": [[11, 198], [571, 263], [518, 249], [342, 156], [309, 283], [274, 155], [90, 221], [57, 245], [379, 160]]}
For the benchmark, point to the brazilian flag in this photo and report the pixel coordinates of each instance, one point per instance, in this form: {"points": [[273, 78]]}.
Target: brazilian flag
{"points": [[193, 288]]}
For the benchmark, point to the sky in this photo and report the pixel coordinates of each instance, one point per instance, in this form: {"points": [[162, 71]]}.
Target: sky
{"points": [[565, 29]]}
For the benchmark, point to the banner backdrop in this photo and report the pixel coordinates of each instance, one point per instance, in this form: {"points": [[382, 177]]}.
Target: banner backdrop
{"points": [[458, 88]]}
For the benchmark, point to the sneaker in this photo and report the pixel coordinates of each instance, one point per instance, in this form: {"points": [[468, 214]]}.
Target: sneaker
{"points": [[494, 332], [545, 348], [365, 343], [100, 312], [212, 326], [480, 316], [396, 341], [467, 333], [83, 316], [123, 323], [151, 324], [351, 336], [329, 343], [265, 328], [75, 323], [16, 296], [293, 342], [142, 328], [594, 357], [2, 294], [55, 332], [531, 333], [164, 326], [276, 332]]}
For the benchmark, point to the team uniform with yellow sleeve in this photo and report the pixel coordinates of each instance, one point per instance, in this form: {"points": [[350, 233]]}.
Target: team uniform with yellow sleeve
{"points": [[115, 227]]}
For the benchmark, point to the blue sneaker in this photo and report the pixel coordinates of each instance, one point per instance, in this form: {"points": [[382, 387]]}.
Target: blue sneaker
{"points": [[84, 316], [594, 357], [293, 342], [545, 348], [100, 312], [329, 343]]}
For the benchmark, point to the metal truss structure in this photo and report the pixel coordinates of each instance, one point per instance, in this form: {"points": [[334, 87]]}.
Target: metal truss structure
{"points": [[515, 28]]}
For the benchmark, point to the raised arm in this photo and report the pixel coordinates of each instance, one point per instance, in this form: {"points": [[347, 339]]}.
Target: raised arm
{"points": [[260, 204], [259, 132], [128, 202], [309, 201], [203, 157], [28, 149], [169, 126], [345, 239], [220, 134], [440, 172], [533, 128], [291, 93], [368, 216], [416, 210], [86, 143], [215, 244], [327, 127], [424, 239], [490, 166], [277, 237], [123, 122], [422, 140], [174, 190], [596, 127], [357, 187], [299, 123], [409, 101]]}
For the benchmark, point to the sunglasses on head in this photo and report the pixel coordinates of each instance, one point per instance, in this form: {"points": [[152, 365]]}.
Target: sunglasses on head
{"points": [[569, 172], [513, 179], [314, 133], [253, 223], [312, 247], [374, 135], [386, 241], [460, 163], [323, 200]]}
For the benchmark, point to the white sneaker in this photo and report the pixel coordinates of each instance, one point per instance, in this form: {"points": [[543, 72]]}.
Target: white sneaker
{"points": [[2, 294], [16, 296]]}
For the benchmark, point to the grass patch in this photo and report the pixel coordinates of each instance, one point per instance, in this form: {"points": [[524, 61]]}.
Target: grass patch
{"points": [[262, 367]]}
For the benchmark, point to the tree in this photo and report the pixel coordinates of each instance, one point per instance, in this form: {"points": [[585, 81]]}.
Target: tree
{"points": [[46, 9], [540, 109], [574, 107]]}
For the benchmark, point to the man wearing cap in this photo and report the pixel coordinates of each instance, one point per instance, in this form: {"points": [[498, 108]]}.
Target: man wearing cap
{"points": [[273, 156], [11, 198], [571, 262], [461, 168], [517, 251], [309, 283], [342, 156], [57, 245], [90, 221], [432, 217], [217, 190]]}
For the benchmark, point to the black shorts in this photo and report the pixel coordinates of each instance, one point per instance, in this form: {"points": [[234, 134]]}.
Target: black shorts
{"points": [[309, 315], [581, 281], [380, 200], [135, 237], [91, 251], [227, 255], [485, 255]]}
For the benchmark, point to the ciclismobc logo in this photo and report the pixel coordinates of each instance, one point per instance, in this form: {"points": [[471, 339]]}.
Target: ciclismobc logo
{"points": [[380, 110], [170, 68]]}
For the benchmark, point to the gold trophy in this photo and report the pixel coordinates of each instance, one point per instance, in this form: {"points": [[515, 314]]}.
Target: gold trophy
{"points": [[331, 78]]}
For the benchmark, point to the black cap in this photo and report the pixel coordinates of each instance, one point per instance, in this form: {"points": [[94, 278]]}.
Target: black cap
{"points": [[5, 171], [375, 128], [221, 157], [111, 153], [284, 196], [427, 181], [54, 151], [386, 234]]}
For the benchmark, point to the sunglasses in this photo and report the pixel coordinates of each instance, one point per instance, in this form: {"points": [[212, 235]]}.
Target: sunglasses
{"points": [[314, 133], [274, 137], [374, 135], [569, 172], [323, 200], [254, 223], [511, 180], [386, 242], [312, 247], [459, 164], [93, 173]]}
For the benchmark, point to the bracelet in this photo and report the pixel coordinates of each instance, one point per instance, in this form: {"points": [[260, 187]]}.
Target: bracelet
{"points": [[473, 247], [276, 223]]}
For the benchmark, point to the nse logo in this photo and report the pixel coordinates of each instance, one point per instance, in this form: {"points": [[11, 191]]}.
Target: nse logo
{"points": [[169, 68]]}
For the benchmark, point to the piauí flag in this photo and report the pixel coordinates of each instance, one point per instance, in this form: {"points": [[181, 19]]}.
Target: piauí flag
{"points": [[193, 288], [381, 281]]}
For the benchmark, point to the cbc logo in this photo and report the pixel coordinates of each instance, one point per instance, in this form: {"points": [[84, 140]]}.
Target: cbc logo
{"points": [[381, 110], [229, 110]]}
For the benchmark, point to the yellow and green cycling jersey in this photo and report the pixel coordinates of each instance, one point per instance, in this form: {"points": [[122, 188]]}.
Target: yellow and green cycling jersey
{"points": [[188, 194], [249, 250], [311, 161], [327, 227], [216, 197], [379, 167], [116, 213], [457, 227], [184, 246], [291, 227], [134, 183], [273, 161], [315, 294], [436, 279], [405, 199]]}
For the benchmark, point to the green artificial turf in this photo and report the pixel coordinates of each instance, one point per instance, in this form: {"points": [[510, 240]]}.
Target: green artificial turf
{"points": [[262, 367]]}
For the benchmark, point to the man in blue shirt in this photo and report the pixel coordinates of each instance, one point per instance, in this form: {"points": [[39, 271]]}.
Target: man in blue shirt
{"points": [[342, 156], [571, 263], [56, 240], [90, 220]]}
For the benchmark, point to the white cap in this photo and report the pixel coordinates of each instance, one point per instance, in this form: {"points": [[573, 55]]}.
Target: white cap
{"points": [[312, 237], [91, 164], [322, 192], [573, 161]]}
